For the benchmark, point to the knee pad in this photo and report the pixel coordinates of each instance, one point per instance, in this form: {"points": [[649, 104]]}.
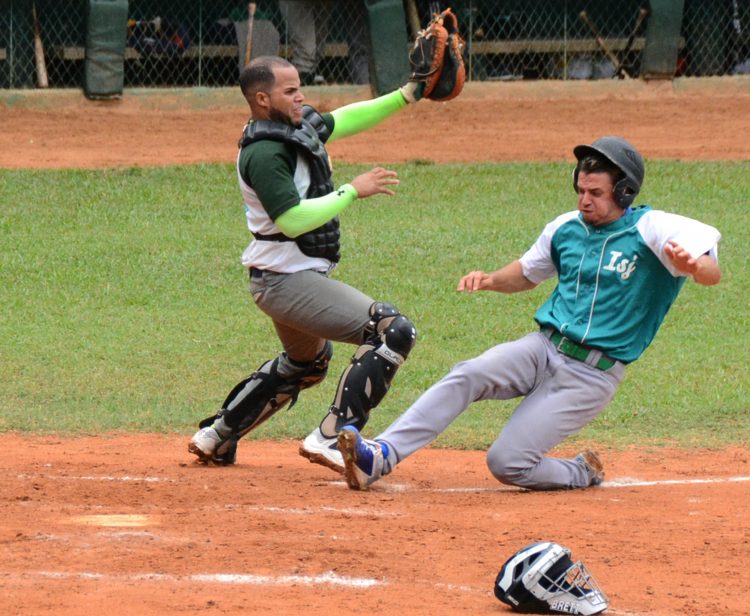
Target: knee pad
{"points": [[388, 326], [365, 382], [306, 374]]}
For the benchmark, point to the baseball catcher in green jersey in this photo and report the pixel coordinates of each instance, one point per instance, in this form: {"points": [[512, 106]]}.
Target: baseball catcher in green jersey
{"points": [[292, 211]]}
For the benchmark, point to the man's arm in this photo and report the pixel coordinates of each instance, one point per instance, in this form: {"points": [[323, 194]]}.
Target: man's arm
{"points": [[704, 270], [509, 279], [309, 214], [357, 117]]}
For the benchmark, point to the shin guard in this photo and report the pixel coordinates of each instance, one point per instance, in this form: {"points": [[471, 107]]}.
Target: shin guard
{"points": [[364, 383], [266, 391]]}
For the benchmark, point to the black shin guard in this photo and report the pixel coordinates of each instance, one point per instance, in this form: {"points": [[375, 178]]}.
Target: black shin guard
{"points": [[266, 391], [364, 383]]}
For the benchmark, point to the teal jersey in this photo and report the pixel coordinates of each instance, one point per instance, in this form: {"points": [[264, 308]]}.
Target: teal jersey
{"points": [[615, 284]]}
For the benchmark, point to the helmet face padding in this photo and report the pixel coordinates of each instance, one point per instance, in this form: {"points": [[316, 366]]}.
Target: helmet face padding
{"points": [[542, 578], [622, 155]]}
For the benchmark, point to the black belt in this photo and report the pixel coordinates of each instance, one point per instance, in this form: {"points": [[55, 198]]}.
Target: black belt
{"points": [[273, 237], [577, 351], [256, 273]]}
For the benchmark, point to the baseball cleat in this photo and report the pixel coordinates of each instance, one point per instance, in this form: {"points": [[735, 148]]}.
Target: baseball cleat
{"points": [[321, 450], [363, 459], [593, 465], [210, 446], [204, 443]]}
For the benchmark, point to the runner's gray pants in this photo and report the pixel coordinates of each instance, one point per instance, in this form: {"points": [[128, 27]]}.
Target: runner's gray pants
{"points": [[561, 395]]}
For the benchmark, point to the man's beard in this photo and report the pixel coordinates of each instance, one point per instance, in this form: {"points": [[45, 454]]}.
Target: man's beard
{"points": [[280, 116]]}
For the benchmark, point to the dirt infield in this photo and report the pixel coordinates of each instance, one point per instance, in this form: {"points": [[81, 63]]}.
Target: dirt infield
{"points": [[127, 524], [693, 119]]}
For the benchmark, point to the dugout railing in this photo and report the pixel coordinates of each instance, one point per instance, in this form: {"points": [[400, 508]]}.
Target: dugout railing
{"points": [[184, 43]]}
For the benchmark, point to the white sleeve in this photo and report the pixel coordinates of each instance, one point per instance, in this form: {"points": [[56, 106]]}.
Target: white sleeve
{"points": [[658, 227], [536, 263]]}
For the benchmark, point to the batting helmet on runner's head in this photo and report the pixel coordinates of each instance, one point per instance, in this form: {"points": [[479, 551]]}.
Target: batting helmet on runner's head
{"points": [[622, 155], [542, 579]]}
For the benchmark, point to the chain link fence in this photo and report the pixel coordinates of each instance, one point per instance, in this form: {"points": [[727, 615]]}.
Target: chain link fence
{"points": [[60, 26], [550, 39], [173, 43], [717, 38]]}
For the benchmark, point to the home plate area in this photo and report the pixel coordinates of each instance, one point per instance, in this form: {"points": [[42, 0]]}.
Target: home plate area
{"points": [[88, 526]]}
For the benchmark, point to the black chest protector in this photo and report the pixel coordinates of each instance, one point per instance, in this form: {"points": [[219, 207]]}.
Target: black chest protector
{"points": [[308, 139]]}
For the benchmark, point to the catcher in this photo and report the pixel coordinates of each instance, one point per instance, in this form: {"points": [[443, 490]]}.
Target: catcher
{"points": [[292, 211]]}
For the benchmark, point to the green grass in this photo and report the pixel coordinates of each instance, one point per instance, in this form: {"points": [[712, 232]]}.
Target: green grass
{"points": [[124, 306]]}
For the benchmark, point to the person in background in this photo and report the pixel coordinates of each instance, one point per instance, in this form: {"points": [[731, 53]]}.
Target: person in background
{"points": [[307, 29]]}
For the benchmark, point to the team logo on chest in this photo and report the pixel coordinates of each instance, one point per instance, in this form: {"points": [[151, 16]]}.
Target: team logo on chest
{"points": [[624, 267]]}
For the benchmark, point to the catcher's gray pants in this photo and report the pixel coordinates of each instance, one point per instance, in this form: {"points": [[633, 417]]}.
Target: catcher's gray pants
{"points": [[561, 396], [308, 308]]}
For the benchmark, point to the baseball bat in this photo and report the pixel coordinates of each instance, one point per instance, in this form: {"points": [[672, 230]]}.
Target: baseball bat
{"points": [[600, 40], [640, 18], [41, 65], [737, 26], [413, 17], [249, 39]]}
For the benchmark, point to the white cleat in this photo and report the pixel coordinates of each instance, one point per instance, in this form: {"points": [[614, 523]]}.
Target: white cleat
{"points": [[204, 443], [322, 450]]}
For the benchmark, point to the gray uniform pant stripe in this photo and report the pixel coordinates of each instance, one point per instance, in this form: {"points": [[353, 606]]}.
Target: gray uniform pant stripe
{"points": [[561, 395]]}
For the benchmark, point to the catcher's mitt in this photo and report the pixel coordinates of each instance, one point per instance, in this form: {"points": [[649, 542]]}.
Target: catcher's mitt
{"points": [[437, 58]]}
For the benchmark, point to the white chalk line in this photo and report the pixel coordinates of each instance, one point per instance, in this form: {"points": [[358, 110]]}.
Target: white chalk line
{"points": [[401, 487], [614, 484], [328, 578], [123, 478], [353, 511]]}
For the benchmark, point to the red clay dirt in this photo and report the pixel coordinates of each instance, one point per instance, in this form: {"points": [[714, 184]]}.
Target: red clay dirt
{"points": [[539, 121], [127, 524]]}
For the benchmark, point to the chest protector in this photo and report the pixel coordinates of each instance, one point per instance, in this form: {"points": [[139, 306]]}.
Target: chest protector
{"points": [[308, 139]]}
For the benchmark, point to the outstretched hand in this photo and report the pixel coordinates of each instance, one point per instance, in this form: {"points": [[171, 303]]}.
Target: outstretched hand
{"points": [[412, 91], [474, 281], [374, 182], [704, 269], [680, 258]]}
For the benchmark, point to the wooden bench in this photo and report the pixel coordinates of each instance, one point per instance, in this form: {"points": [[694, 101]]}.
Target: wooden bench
{"points": [[330, 50], [552, 46], [587, 45]]}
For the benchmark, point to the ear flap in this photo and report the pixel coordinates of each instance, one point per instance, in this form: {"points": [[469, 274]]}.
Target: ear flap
{"points": [[624, 194]]}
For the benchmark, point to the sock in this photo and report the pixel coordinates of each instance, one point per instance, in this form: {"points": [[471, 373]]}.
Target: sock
{"points": [[389, 457]]}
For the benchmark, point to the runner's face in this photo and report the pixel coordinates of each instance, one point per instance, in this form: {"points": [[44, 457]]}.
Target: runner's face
{"points": [[596, 200], [285, 97]]}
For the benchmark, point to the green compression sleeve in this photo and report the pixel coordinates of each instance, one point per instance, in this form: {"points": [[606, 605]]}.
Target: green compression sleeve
{"points": [[311, 213], [356, 117]]}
